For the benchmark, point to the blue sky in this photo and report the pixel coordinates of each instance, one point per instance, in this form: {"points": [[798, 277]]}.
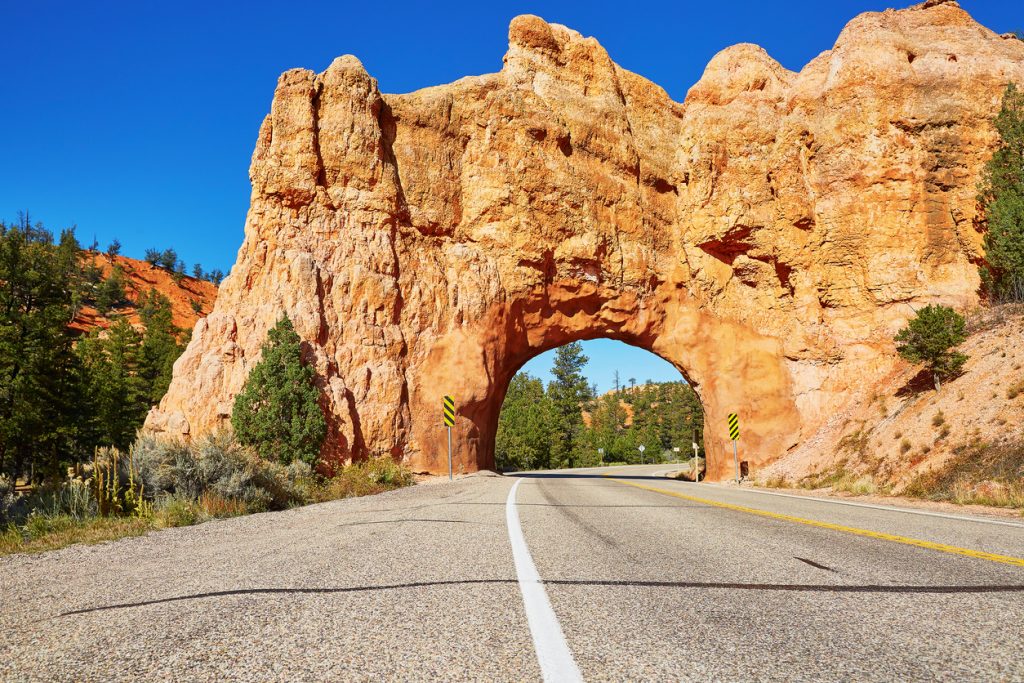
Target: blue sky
{"points": [[605, 357], [136, 120]]}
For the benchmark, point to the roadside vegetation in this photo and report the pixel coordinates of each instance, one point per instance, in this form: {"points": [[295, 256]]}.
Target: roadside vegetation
{"points": [[155, 482], [566, 424], [162, 483]]}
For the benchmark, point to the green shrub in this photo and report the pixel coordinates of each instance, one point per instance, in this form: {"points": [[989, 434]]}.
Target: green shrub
{"points": [[9, 500], [931, 337], [74, 498], [166, 467], [40, 524], [218, 464], [364, 478], [173, 511], [278, 411]]}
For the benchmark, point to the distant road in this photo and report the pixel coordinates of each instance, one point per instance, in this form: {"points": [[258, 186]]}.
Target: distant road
{"points": [[609, 574]]}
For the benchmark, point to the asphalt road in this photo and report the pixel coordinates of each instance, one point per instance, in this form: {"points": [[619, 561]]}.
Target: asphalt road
{"points": [[575, 575]]}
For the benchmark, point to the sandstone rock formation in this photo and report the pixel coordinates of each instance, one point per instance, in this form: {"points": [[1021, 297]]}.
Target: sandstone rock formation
{"points": [[767, 236]]}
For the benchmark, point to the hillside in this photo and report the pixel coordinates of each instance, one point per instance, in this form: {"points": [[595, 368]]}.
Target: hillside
{"points": [[964, 443], [190, 298]]}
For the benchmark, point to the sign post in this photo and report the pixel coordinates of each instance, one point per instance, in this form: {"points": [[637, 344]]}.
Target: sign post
{"points": [[448, 410], [734, 436], [641, 448], [600, 455]]}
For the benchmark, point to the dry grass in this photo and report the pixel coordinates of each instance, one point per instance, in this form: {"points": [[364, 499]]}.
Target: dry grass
{"points": [[979, 473], [375, 475], [61, 531], [1015, 389], [840, 479]]}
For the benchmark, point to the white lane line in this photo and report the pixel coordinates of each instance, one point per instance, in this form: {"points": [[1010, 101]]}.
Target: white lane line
{"points": [[887, 508], [553, 655]]}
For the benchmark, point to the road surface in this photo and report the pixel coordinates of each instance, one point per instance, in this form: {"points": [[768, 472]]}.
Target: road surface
{"points": [[607, 574]]}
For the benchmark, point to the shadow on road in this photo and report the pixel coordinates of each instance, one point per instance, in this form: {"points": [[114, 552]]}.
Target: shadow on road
{"points": [[792, 587]]}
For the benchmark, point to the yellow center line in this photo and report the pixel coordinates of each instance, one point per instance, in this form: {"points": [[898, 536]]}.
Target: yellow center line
{"points": [[941, 547]]}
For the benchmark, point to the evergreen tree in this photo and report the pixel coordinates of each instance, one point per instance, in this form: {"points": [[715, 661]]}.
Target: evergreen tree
{"points": [[568, 392], [215, 276], [40, 388], [111, 291], [168, 259], [117, 389], [160, 345], [197, 271], [152, 257], [277, 411], [1002, 198], [930, 338], [523, 440], [607, 422], [113, 249]]}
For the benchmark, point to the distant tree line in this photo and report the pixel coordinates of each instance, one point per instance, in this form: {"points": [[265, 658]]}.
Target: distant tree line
{"points": [[62, 395], [169, 261], [544, 427]]}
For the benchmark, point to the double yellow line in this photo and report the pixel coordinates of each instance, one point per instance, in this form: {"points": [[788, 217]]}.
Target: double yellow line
{"points": [[941, 547]]}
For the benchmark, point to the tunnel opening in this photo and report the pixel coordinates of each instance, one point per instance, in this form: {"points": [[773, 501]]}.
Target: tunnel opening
{"points": [[599, 402]]}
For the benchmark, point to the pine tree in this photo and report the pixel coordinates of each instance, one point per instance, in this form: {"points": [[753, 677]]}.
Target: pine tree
{"points": [[111, 291], [523, 439], [930, 338], [277, 412], [160, 345], [117, 389], [568, 392], [40, 391], [1002, 197]]}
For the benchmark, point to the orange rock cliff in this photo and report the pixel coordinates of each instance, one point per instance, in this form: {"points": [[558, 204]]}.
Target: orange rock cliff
{"points": [[767, 236]]}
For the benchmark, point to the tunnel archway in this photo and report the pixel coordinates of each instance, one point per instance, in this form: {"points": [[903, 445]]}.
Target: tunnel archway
{"points": [[597, 402], [732, 368]]}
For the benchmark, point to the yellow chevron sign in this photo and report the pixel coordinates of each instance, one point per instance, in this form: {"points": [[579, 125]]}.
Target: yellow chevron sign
{"points": [[449, 411], [734, 426]]}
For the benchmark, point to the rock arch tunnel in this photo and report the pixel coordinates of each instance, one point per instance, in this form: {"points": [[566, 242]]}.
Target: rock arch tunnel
{"points": [[765, 236], [732, 369]]}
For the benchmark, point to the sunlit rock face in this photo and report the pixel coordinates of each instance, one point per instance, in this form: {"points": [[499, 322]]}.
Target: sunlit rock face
{"points": [[767, 236]]}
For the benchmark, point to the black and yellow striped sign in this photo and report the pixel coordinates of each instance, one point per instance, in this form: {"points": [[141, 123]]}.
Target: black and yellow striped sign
{"points": [[449, 411], [734, 426]]}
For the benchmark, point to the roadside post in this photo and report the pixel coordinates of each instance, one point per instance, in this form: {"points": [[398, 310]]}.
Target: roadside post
{"points": [[641, 448], [600, 455], [734, 436], [696, 452], [448, 409]]}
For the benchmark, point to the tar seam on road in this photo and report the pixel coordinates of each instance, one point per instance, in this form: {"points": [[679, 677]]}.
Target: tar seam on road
{"points": [[553, 654], [941, 547]]}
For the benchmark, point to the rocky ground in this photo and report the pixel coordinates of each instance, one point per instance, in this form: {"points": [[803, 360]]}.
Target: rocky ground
{"points": [[905, 428]]}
